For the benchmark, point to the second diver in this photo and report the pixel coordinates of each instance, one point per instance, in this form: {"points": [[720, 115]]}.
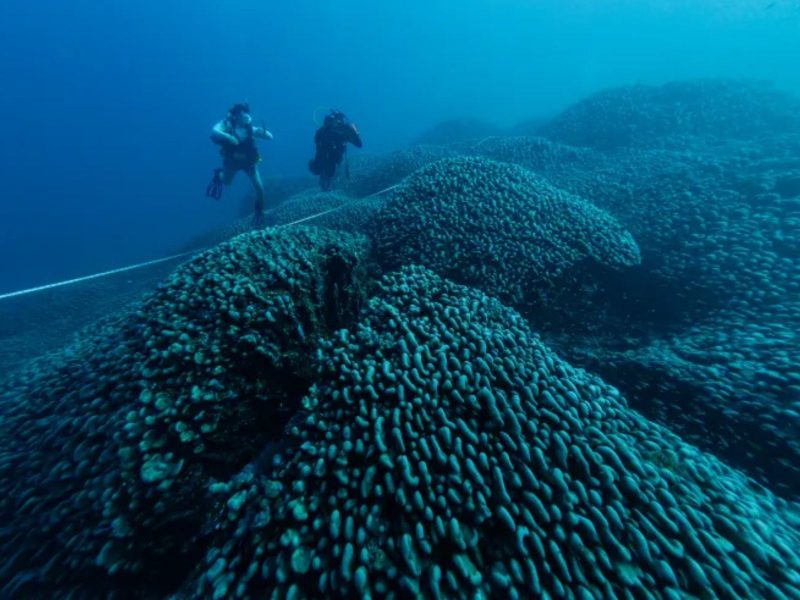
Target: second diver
{"points": [[331, 144]]}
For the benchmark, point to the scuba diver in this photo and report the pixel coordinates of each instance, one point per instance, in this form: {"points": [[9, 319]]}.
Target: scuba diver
{"points": [[331, 141], [236, 135]]}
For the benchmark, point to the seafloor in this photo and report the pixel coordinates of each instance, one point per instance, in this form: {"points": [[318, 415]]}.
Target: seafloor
{"points": [[558, 361]]}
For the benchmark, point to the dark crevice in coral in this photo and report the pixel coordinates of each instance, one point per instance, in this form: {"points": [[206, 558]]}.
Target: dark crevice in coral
{"points": [[342, 292]]}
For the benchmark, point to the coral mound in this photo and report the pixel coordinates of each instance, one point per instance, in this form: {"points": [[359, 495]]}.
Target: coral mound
{"points": [[497, 227], [346, 213], [106, 453], [655, 116], [705, 338], [370, 174], [538, 154], [729, 384], [447, 453]]}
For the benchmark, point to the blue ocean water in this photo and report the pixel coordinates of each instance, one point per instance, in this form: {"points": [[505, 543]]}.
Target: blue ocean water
{"points": [[536, 339], [107, 107]]}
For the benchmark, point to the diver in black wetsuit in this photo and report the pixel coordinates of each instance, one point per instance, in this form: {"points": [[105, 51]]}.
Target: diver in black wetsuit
{"points": [[236, 136], [331, 141]]}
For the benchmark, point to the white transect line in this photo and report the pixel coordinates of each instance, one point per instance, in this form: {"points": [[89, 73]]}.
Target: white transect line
{"points": [[58, 284], [487, 138], [50, 286]]}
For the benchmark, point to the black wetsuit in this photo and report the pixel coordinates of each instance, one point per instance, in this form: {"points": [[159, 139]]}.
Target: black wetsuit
{"points": [[331, 141], [242, 156]]}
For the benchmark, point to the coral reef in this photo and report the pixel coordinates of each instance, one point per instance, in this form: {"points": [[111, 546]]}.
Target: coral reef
{"points": [[718, 234], [545, 157], [497, 227], [370, 174], [276, 419], [107, 451], [348, 214], [652, 116], [447, 453], [728, 384]]}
